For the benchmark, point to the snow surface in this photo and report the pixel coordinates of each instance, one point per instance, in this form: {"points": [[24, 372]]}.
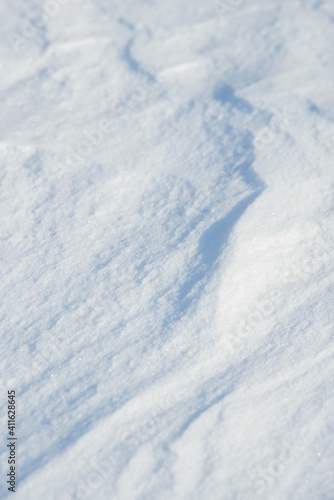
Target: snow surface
{"points": [[167, 242]]}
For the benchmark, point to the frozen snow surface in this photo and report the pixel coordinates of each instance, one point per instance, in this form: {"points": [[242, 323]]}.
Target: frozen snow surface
{"points": [[167, 218]]}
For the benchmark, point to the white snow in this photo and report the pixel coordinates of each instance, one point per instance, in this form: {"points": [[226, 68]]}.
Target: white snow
{"points": [[167, 239]]}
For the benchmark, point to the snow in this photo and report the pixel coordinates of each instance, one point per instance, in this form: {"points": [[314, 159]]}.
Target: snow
{"points": [[167, 248]]}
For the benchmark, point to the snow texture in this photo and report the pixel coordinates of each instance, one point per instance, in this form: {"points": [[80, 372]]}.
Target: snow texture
{"points": [[167, 218]]}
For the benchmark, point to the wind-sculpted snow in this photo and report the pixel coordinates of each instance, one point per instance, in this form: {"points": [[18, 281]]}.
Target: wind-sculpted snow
{"points": [[167, 249]]}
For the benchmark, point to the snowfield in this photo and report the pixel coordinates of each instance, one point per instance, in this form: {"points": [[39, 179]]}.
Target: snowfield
{"points": [[167, 234]]}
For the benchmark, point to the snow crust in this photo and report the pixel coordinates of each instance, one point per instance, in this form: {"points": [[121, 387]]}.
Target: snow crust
{"points": [[167, 248]]}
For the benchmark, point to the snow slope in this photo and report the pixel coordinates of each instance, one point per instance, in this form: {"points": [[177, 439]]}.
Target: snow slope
{"points": [[167, 248]]}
